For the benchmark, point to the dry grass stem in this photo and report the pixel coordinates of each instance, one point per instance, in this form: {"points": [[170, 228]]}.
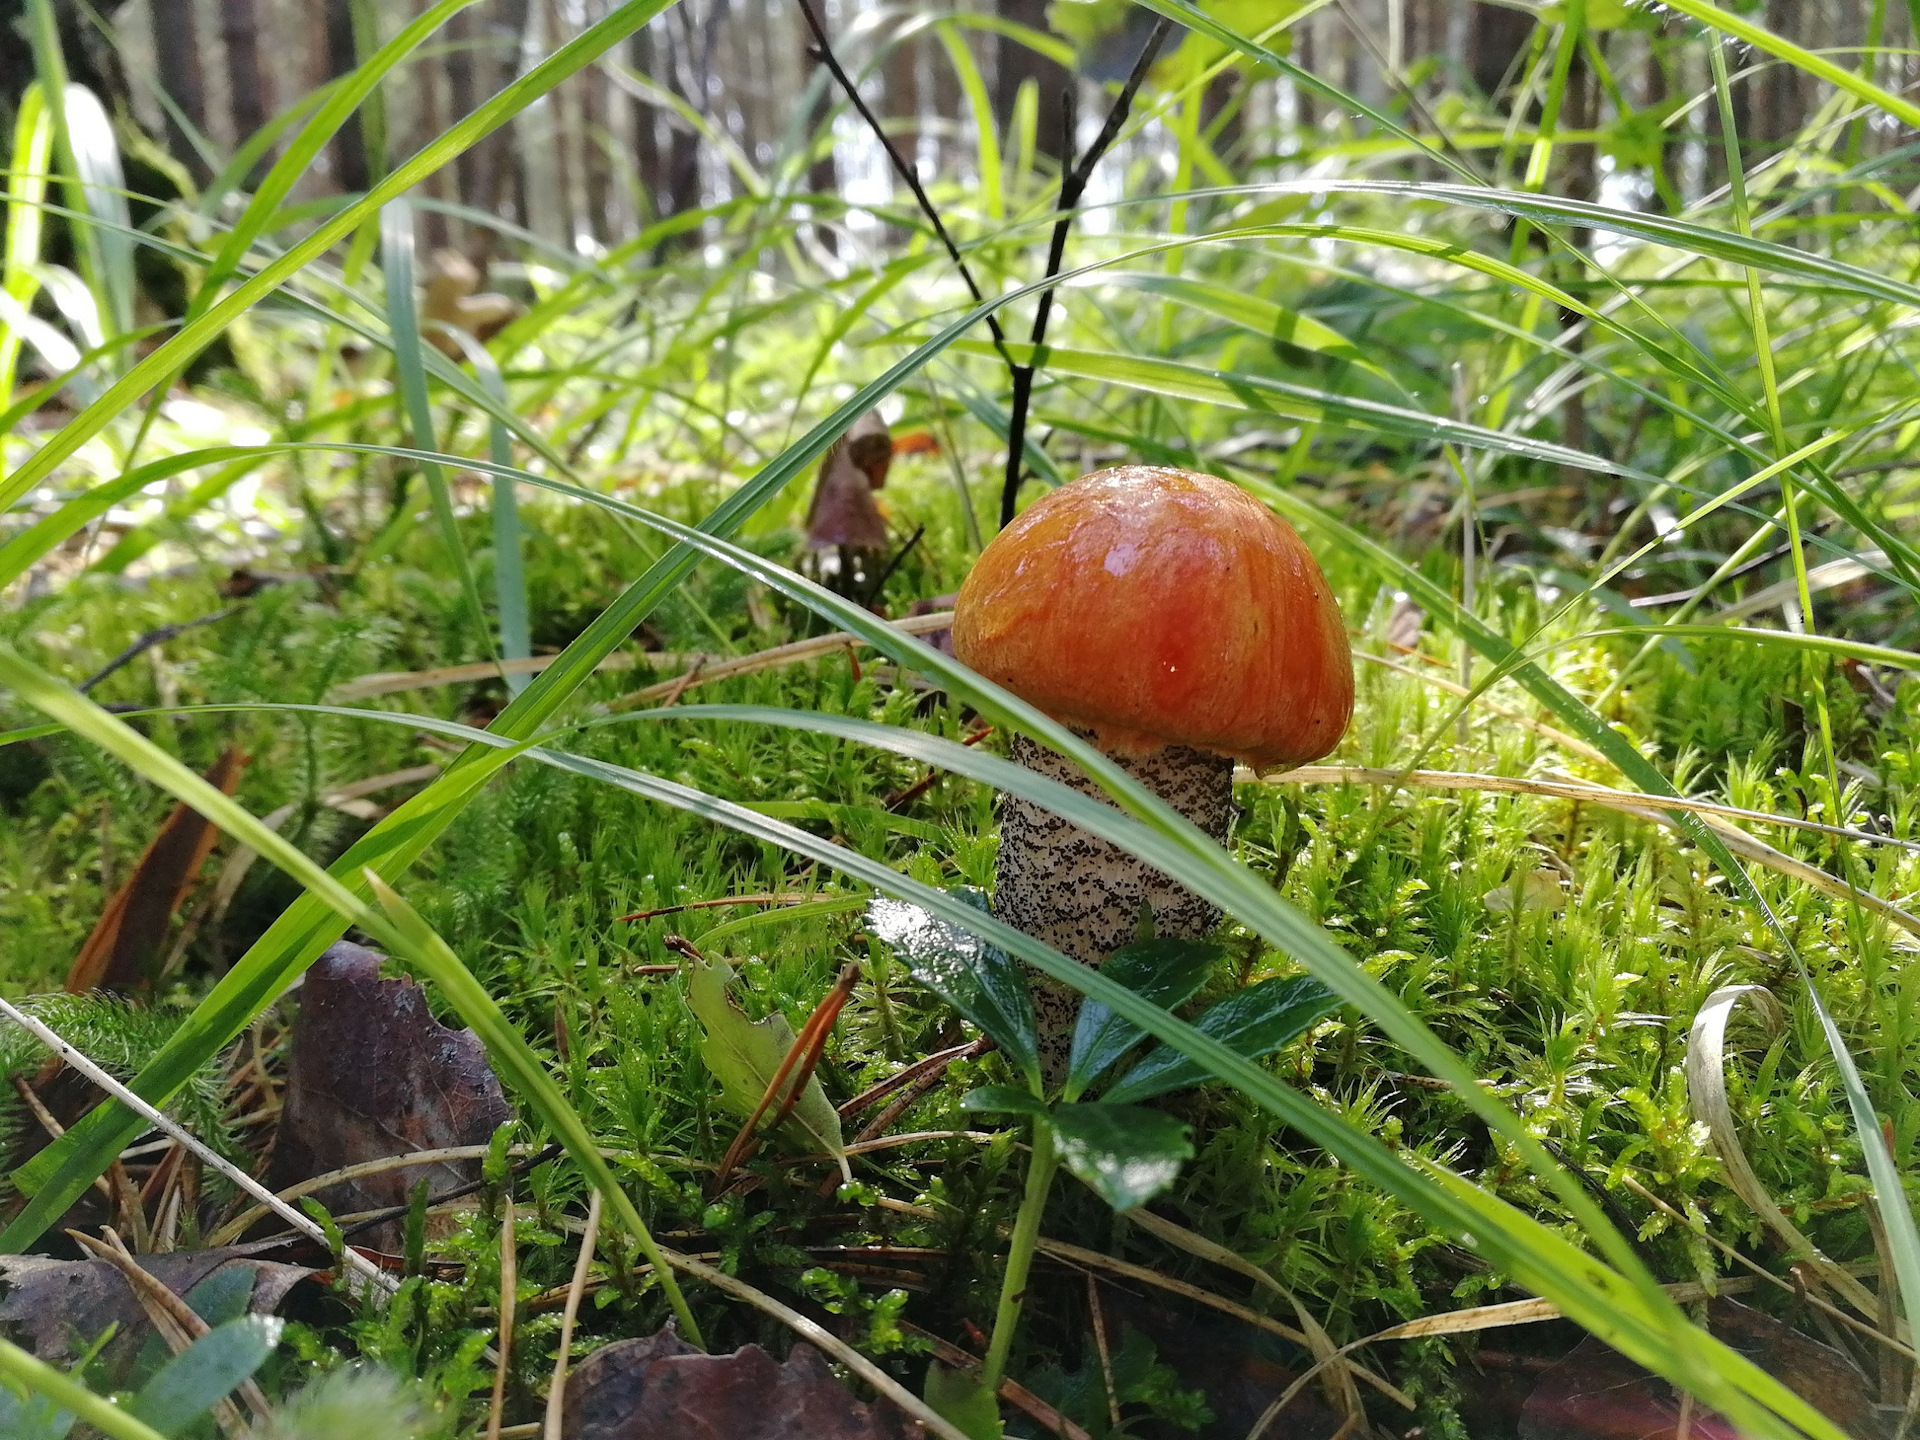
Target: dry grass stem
{"points": [[509, 1301], [557, 1393]]}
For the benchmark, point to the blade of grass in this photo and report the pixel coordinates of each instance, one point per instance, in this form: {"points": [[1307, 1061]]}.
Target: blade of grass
{"points": [[986, 132], [403, 324], [71, 1396], [26, 189]]}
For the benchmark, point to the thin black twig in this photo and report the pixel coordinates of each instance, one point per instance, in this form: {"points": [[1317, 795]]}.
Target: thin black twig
{"points": [[390, 1213], [873, 593], [147, 641], [1073, 185], [823, 50]]}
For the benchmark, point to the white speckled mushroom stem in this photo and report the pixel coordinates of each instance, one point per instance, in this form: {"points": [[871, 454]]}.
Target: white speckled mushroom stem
{"points": [[1081, 894]]}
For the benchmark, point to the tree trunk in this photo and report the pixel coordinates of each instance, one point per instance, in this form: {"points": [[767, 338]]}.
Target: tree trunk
{"points": [[649, 162], [176, 49], [349, 145], [1496, 38], [250, 95], [1017, 64]]}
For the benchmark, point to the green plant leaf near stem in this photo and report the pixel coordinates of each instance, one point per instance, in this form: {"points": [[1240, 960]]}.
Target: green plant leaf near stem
{"points": [[1254, 1023], [1165, 971], [960, 1397], [206, 1372], [1125, 1154], [1003, 1100], [980, 982]]}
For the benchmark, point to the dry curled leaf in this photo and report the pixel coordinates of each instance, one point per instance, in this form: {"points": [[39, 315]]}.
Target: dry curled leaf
{"points": [[372, 1073], [1595, 1393], [125, 947], [659, 1386], [844, 511], [56, 1308]]}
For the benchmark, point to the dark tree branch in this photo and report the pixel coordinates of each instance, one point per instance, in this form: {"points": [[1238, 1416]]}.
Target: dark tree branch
{"points": [[147, 641], [1073, 185], [823, 49]]}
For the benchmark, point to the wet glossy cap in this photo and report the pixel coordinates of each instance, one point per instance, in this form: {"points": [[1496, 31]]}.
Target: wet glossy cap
{"points": [[1155, 607]]}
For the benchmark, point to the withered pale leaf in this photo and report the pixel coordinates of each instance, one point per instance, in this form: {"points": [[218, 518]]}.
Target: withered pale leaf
{"points": [[372, 1073], [660, 1386], [744, 1056]]}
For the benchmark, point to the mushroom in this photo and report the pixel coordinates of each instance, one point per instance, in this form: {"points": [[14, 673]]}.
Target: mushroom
{"points": [[1179, 625], [450, 304]]}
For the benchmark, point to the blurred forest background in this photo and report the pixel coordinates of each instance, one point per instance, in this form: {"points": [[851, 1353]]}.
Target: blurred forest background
{"points": [[681, 118]]}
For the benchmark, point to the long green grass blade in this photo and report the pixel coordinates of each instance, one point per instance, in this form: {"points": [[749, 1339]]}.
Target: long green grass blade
{"points": [[26, 190], [403, 324]]}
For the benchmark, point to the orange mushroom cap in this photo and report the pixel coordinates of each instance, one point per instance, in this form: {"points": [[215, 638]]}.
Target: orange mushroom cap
{"points": [[1160, 607]]}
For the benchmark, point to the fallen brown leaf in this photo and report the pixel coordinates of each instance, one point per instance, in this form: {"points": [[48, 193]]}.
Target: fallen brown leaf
{"points": [[55, 1308], [870, 446], [660, 1386], [127, 942], [844, 511], [371, 1073], [1596, 1393]]}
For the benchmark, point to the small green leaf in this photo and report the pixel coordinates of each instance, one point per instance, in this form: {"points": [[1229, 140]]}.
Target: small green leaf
{"points": [[1126, 1154], [979, 981], [34, 1418], [206, 1372], [1003, 1100], [962, 1399], [744, 1056], [1637, 141], [1164, 971], [1264, 318], [1256, 1022]]}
